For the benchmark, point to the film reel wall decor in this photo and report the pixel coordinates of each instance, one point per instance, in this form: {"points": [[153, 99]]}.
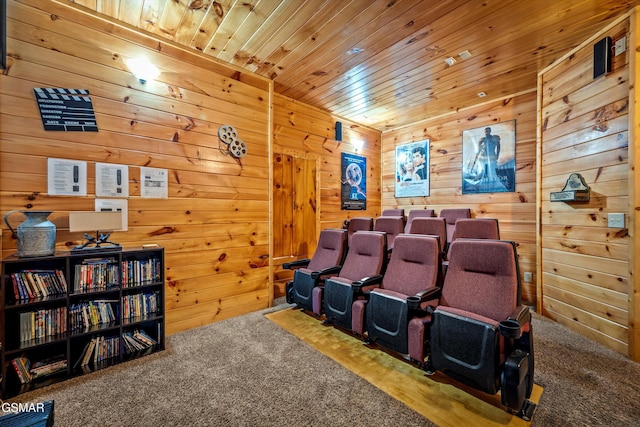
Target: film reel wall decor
{"points": [[229, 136]]}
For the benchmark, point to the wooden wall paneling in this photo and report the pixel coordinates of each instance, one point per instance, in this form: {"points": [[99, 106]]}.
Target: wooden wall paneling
{"points": [[589, 299], [563, 110], [581, 129], [192, 316], [172, 55], [584, 264], [633, 47], [270, 186], [593, 327], [516, 212], [215, 224], [86, 45]]}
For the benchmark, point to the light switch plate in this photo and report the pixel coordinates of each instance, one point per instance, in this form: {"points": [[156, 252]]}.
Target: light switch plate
{"points": [[620, 46], [616, 220]]}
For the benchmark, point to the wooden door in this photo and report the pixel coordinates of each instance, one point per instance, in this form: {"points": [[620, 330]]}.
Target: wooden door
{"points": [[294, 207]]}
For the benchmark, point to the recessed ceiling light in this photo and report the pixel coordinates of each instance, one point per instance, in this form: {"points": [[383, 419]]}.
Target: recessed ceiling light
{"points": [[482, 94], [355, 50], [450, 61], [465, 54]]}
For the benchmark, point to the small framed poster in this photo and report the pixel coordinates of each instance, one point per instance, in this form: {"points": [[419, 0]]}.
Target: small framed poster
{"points": [[412, 169], [489, 159], [354, 182]]}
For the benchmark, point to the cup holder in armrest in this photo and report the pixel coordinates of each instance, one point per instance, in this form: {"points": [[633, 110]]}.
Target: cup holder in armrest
{"points": [[510, 328], [413, 302]]}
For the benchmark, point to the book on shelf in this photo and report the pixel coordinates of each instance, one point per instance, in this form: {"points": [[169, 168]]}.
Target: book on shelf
{"points": [[140, 272], [31, 284], [99, 349], [141, 304], [42, 323], [28, 371], [87, 355], [48, 367], [137, 340], [95, 274], [85, 315], [22, 365]]}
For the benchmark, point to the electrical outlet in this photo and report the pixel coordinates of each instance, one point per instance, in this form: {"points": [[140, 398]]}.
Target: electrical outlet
{"points": [[616, 220], [528, 276], [620, 46]]}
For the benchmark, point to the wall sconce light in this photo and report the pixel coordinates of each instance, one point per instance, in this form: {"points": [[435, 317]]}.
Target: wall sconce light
{"points": [[357, 144], [142, 69]]}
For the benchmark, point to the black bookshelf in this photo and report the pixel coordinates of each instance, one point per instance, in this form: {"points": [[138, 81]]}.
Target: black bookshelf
{"points": [[72, 313]]}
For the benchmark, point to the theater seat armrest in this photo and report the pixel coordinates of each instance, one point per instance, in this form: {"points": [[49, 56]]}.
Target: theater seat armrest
{"points": [[366, 282], [429, 294], [296, 264], [329, 270], [414, 302], [521, 314]]}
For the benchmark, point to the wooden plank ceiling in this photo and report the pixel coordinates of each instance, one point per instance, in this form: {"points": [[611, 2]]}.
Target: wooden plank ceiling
{"points": [[377, 62]]}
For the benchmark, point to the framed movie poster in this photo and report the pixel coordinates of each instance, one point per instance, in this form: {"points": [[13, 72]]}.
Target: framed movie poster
{"points": [[489, 159], [412, 169], [354, 182]]}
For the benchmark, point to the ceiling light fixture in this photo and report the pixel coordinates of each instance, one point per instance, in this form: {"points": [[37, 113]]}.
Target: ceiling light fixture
{"points": [[481, 94], [355, 50], [465, 54], [450, 60]]}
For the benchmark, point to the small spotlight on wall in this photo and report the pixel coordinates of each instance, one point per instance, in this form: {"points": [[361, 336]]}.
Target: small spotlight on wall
{"points": [[142, 69]]}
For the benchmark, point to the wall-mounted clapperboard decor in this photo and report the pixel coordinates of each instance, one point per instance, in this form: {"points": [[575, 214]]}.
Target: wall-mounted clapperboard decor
{"points": [[3, 34], [66, 109]]}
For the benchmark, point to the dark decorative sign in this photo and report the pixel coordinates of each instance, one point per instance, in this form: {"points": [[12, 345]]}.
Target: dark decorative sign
{"points": [[66, 109], [3, 34]]}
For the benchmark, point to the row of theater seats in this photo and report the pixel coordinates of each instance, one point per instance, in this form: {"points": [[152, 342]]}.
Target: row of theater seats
{"points": [[394, 222], [469, 324], [450, 225]]}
